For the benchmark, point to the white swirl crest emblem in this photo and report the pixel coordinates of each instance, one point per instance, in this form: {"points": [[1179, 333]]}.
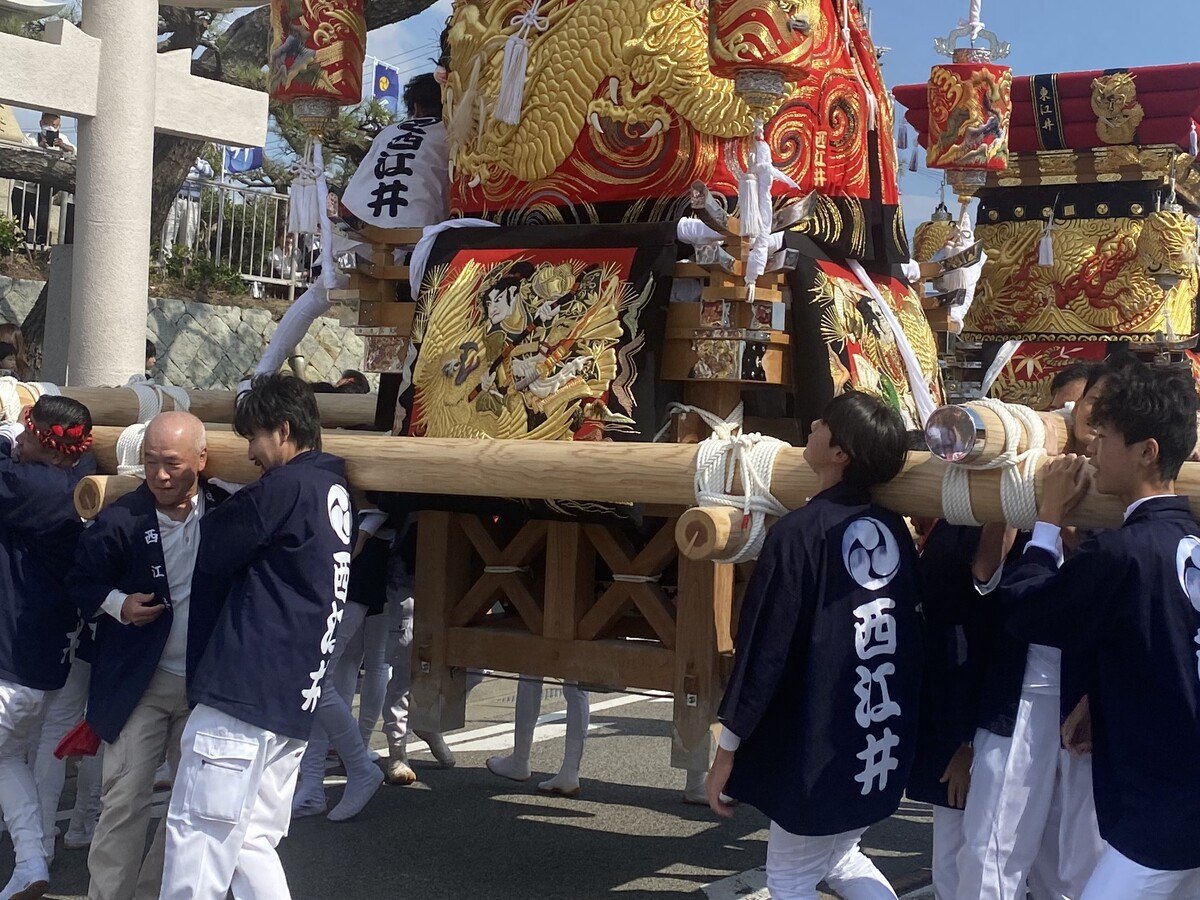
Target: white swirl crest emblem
{"points": [[1187, 567], [870, 553], [339, 512]]}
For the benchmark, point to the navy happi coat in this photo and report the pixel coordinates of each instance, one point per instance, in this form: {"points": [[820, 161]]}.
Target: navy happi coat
{"points": [[122, 550], [1128, 602], [958, 635], [827, 668], [274, 570], [38, 531]]}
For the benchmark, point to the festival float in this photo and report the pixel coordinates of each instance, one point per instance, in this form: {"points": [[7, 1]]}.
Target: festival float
{"points": [[662, 214], [1088, 232]]}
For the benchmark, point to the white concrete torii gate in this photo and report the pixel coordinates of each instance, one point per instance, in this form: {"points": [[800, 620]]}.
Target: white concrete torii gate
{"points": [[111, 77]]}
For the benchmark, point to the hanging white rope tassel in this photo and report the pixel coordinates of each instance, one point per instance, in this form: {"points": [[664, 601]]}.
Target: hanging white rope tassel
{"points": [[516, 63], [302, 194], [754, 201], [129, 451], [329, 275], [1046, 244], [1192, 148], [1018, 493]]}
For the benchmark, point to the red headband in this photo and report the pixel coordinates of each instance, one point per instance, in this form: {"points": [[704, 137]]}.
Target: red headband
{"points": [[69, 440]]}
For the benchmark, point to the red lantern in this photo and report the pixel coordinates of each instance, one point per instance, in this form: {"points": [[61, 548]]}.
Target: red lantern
{"points": [[317, 52], [970, 108], [761, 44]]}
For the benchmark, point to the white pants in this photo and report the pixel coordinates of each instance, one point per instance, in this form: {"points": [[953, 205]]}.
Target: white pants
{"points": [[183, 221], [20, 715], [795, 864], [333, 714], [1119, 878], [1030, 816], [400, 634], [230, 807], [947, 844], [63, 710], [366, 650]]}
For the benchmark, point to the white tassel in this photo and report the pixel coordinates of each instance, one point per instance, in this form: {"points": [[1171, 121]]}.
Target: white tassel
{"points": [[902, 137], [328, 269], [748, 204], [304, 213], [1192, 140], [516, 64], [1046, 245], [914, 164]]}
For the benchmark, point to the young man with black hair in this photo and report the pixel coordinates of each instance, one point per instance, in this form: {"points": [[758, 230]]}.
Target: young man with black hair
{"points": [[1068, 385], [40, 464], [819, 718], [272, 574], [1128, 601]]}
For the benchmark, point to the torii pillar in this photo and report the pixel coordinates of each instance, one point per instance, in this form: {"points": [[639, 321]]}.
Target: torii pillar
{"points": [[113, 79]]}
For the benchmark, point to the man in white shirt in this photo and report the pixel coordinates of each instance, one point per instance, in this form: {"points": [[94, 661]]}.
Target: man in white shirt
{"points": [[134, 575], [183, 218]]}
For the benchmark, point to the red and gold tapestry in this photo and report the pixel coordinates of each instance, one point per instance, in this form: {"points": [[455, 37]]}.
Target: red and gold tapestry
{"points": [[1097, 288], [970, 106], [317, 50], [532, 333], [1026, 378], [618, 128], [859, 350]]}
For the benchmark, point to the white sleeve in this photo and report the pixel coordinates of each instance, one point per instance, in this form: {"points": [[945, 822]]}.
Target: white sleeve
{"points": [[371, 520], [728, 740], [1049, 538], [10, 431], [112, 604], [294, 325], [985, 588]]}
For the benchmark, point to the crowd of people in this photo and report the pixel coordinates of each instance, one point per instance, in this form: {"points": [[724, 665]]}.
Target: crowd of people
{"points": [[1041, 690]]}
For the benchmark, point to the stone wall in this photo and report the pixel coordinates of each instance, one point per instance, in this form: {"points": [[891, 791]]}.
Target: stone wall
{"points": [[210, 347], [17, 297], [207, 347]]}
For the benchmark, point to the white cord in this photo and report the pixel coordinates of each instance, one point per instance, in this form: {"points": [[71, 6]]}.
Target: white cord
{"points": [[1018, 494], [726, 453], [129, 450], [150, 397], [10, 400]]}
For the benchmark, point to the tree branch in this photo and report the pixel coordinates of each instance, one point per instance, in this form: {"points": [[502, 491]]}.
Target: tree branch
{"points": [[51, 170]]}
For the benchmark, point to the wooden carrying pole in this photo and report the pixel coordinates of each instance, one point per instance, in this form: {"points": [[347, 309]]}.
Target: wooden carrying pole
{"points": [[607, 473], [119, 406]]}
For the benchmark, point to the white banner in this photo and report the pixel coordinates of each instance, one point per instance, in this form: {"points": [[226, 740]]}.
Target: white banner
{"points": [[404, 180]]}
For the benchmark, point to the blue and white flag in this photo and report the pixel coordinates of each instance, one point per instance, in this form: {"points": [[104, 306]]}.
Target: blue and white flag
{"points": [[387, 86], [243, 159]]}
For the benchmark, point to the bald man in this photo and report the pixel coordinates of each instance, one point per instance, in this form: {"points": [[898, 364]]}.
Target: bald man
{"points": [[133, 575]]}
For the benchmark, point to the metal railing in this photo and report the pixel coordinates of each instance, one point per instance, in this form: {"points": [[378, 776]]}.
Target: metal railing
{"points": [[46, 216], [242, 228]]}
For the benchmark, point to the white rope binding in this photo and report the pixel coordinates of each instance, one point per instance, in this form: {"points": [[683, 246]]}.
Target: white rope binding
{"points": [[10, 400], [129, 451], [150, 397], [728, 453], [1018, 494]]}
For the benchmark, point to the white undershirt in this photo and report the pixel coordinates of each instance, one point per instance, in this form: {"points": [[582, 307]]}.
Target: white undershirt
{"points": [[180, 546]]}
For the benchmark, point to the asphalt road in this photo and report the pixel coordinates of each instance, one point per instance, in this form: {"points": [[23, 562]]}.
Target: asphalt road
{"points": [[465, 833]]}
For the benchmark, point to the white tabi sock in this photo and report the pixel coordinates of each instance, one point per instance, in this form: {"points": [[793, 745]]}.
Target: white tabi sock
{"points": [[529, 706], [566, 782]]}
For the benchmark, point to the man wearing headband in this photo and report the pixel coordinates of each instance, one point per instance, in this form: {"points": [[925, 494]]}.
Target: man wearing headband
{"points": [[40, 464]]}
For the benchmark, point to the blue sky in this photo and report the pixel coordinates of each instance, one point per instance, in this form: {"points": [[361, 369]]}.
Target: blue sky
{"points": [[1046, 36]]}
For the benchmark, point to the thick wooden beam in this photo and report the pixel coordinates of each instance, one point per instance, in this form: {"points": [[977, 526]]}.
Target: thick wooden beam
{"points": [[119, 406], [608, 473]]}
